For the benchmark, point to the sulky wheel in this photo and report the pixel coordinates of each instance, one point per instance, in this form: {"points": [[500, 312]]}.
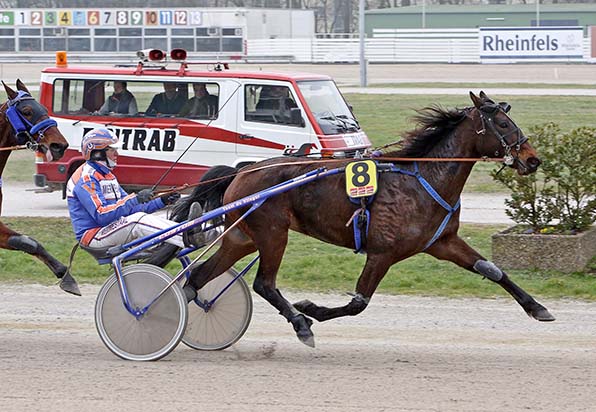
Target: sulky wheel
{"points": [[223, 323], [158, 331]]}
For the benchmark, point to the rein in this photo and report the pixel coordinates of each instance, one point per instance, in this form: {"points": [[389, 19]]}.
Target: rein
{"points": [[19, 147], [163, 176], [318, 161]]}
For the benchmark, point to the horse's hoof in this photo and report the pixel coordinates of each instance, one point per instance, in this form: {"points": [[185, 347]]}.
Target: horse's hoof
{"points": [[301, 325], [543, 315], [308, 340], [69, 284], [540, 313]]}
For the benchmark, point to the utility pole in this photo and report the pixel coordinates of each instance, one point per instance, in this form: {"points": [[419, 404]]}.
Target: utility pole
{"points": [[363, 73]]}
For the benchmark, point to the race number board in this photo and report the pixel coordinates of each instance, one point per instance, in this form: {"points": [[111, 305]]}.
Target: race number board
{"points": [[361, 178]]}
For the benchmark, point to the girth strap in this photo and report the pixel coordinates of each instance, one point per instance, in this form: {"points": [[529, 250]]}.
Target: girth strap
{"points": [[360, 220]]}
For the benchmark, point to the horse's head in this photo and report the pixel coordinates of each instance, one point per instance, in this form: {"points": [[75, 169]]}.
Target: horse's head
{"points": [[32, 125], [501, 137]]}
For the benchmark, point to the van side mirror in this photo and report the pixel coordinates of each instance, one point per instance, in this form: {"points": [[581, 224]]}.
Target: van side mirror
{"points": [[296, 117]]}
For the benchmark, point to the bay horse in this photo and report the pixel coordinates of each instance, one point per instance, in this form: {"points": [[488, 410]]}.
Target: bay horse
{"points": [[406, 217], [24, 121]]}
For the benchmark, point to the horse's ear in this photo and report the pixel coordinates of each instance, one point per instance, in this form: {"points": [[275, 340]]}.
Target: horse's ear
{"points": [[21, 86], [476, 100], [11, 93], [483, 95]]}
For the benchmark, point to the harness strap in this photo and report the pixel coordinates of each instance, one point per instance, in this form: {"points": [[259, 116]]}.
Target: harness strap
{"points": [[433, 193], [42, 126], [360, 221]]}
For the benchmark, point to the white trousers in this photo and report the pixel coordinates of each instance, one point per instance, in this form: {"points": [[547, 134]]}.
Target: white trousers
{"points": [[129, 228]]}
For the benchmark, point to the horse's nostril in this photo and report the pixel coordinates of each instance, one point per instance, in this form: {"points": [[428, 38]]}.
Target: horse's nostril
{"points": [[58, 148], [533, 162]]}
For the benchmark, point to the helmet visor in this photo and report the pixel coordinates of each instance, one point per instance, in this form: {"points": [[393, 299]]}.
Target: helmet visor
{"points": [[116, 146]]}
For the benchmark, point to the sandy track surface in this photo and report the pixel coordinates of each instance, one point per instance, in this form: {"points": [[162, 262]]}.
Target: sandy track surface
{"points": [[401, 354]]}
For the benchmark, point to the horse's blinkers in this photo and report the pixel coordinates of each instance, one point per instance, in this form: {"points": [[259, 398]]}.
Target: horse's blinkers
{"points": [[23, 128]]}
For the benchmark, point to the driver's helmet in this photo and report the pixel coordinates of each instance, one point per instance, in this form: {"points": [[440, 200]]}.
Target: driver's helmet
{"points": [[98, 139]]}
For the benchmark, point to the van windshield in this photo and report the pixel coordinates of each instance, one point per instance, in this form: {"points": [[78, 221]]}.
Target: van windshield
{"points": [[328, 106]]}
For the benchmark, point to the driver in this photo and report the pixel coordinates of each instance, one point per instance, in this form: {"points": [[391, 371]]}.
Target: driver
{"points": [[102, 213]]}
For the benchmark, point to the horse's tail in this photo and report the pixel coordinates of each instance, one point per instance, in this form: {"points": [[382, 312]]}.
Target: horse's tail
{"points": [[208, 194]]}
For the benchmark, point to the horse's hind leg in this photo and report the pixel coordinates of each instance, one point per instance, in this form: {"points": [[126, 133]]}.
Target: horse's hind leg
{"points": [[454, 249], [374, 270], [11, 240], [235, 245], [271, 244]]}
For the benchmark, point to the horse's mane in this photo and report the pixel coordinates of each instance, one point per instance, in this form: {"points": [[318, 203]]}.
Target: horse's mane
{"points": [[434, 123]]}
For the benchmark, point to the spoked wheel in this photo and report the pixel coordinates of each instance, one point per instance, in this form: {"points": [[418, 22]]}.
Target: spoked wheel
{"points": [[223, 323], [158, 331]]}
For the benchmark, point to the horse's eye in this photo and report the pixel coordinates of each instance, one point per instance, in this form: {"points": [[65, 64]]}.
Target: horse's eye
{"points": [[27, 112], [503, 125]]}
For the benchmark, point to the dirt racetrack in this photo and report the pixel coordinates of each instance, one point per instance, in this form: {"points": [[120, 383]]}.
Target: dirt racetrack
{"points": [[402, 354]]}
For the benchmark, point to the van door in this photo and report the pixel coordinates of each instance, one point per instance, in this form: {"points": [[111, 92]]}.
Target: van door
{"points": [[271, 121]]}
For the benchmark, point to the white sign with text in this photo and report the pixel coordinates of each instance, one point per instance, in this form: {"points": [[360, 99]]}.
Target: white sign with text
{"points": [[506, 44]]}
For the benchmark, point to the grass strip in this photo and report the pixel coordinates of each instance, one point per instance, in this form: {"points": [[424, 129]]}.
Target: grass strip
{"points": [[310, 265]]}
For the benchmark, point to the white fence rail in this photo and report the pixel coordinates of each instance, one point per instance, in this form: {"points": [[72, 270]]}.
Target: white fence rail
{"points": [[386, 46]]}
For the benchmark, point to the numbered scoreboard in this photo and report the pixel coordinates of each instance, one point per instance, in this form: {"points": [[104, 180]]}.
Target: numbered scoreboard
{"points": [[122, 30], [74, 18]]}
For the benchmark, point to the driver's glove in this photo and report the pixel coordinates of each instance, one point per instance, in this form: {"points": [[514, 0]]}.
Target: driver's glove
{"points": [[170, 198], [145, 195]]}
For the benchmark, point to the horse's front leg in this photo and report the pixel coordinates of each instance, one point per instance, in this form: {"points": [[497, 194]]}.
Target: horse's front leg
{"points": [[374, 270], [454, 249], [11, 240]]}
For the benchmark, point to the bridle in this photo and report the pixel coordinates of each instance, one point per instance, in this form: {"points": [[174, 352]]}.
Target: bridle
{"points": [[24, 129], [487, 114]]}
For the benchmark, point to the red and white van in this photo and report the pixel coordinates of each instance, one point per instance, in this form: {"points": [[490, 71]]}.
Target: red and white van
{"points": [[242, 126]]}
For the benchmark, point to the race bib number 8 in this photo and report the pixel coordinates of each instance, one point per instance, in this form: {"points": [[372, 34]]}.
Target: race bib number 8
{"points": [[361, 178]]}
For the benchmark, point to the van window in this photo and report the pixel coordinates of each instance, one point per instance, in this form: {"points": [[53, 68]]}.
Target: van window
{"points": [[138, 99], [77, 96], [204, 103], [268, 103]]}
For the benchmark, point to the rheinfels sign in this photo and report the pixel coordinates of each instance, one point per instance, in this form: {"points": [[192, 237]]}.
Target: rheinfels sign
{"points": [[506, 44]]}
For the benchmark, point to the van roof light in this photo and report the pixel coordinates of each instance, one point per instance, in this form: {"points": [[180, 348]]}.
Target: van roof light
{"points": [[61, 59], [151, 55], [178, 54]]}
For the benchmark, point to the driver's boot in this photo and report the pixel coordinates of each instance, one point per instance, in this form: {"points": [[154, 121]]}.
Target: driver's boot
{"points": [[194, 237]]}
